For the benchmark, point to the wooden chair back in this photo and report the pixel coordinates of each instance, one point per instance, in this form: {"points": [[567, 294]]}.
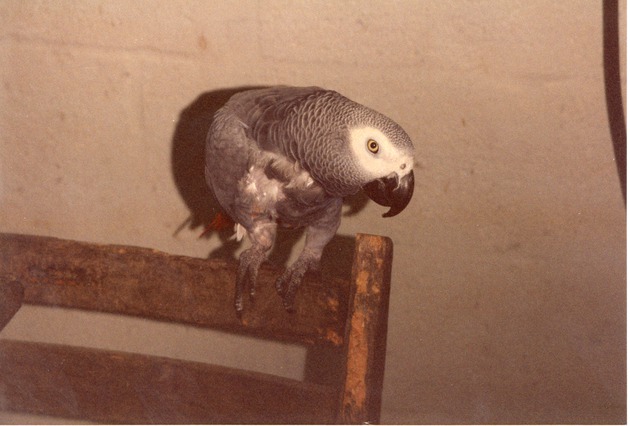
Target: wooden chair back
{"points": [[113, 387]]}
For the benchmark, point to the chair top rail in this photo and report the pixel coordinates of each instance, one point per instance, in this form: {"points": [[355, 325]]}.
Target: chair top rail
{"points": [[155, 285]]}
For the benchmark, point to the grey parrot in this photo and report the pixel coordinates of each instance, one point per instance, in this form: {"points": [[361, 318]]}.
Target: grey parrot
{"points": [[286, 157]]}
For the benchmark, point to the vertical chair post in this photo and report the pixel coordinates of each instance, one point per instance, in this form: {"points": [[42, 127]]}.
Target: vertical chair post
{"points": [[366, 330]]}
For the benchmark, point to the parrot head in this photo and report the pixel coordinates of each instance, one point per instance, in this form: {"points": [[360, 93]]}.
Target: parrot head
{"points": [[345, 146], [385, 155]]}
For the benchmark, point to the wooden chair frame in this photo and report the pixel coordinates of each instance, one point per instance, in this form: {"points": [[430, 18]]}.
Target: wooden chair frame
{"points": [[108, 386]]}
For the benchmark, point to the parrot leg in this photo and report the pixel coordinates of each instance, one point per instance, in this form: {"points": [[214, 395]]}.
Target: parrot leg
{"points": [[262, 237], [318, 236], [290, 280]]}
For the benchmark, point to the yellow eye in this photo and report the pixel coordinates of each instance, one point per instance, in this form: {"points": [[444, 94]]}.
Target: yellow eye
{"points": [[372, 145]]}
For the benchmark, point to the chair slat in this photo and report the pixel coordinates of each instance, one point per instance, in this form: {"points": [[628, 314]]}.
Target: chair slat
{"points": [[118, 387]]}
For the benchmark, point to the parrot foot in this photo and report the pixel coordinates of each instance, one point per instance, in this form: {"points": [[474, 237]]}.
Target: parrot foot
{"points": [[291, 279], [249, 264]]}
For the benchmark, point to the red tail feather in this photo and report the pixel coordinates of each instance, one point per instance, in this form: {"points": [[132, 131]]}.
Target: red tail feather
{"points": [[219, 223]]}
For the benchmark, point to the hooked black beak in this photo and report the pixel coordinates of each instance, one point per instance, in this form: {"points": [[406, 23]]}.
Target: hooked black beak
{"points": [[391, 191]]}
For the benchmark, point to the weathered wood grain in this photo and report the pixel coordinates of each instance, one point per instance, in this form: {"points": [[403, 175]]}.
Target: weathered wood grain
{"points": [[117, 387], [152, 284], [366, 330]]}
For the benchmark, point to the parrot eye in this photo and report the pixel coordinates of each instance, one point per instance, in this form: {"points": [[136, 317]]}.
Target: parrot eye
{"points": [[372, 146]]}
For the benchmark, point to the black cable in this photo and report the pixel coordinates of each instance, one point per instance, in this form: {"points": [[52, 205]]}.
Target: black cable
{"points": [[612, 82]]}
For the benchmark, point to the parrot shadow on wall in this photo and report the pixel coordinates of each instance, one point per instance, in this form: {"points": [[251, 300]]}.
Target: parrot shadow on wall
{"points": [[188, 163]]}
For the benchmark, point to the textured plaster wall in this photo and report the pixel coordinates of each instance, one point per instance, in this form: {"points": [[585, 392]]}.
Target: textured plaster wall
{"points": [[508, 297]]}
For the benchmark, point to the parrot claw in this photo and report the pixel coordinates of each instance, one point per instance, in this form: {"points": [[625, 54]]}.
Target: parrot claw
{"points": [[249, 263], [291, 279]]}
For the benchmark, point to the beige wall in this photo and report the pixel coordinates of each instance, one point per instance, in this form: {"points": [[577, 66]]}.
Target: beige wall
{"points": [[508, 297]]}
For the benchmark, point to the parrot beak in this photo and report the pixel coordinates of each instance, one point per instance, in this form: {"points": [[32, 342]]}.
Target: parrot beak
{"points": [[391, 191]]}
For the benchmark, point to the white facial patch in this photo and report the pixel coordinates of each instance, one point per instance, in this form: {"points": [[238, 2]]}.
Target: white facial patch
{"points": [[378, 160]]}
